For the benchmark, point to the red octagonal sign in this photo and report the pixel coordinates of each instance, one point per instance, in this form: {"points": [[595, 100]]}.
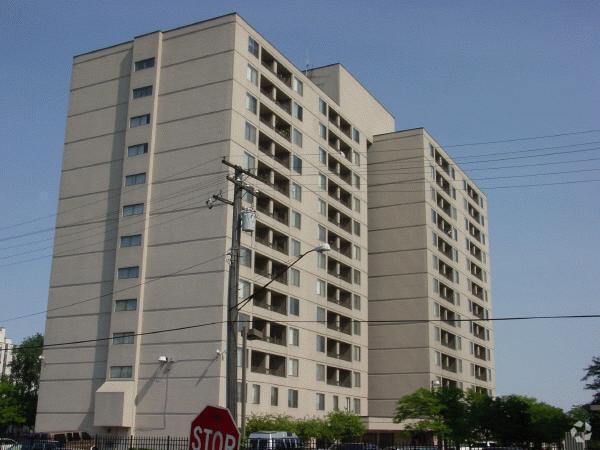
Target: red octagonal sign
{"points": [[214, 429]]}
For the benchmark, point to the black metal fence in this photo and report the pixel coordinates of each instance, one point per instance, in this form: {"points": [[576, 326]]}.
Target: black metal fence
{"points": [[49, 442]]}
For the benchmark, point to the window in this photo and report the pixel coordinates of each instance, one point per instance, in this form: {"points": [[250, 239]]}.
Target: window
{"points": [[138, 149], [123, 338], [243, 321], [322, 207], [297, 111], [348, 403], [356, 379], [322, 233], [356, 181], [357, 255], [240, 355], [250, 133], [322, 107], [295, 247], [274, 396], [129, 304], [297, 137], [138, 121], [129, 272], [293, 336], [356, 135], [251, 103], [356, 353], [357, 405], [252, 75], [322, 131], [294, 277], [244, 289], [356, 158], [138, 178], [133, 210], [297, 164], [296, 219], [356, 328], [321, 288], [134, 240], [292, 368], [320, 375], [292, 398], [356, 228], [321, 261], [322, 156], [144, 64], [322, 182], [297, 86], [121, 371], [336, 403], [145, 91], [245, 257], [320, 402], [296, 191], [320, 315], [256, 394], [321, 344], [356, 302], [357, 277], [249, 162], [294, 306], [253, 46]]}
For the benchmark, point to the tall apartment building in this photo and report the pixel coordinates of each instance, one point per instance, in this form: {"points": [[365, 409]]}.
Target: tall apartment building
{"points": [[137, 250], [428, 260], [6, 346]]}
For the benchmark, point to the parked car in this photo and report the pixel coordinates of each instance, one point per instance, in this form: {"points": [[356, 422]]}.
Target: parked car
{"points": [[40, 445], [354, 446], [273, 440]]}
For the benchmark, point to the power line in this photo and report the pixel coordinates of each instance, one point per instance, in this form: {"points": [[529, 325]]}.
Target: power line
{"points": [[367, 321]]}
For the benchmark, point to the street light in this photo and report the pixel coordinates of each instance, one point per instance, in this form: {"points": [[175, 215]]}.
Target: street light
{"points": [[435, 384]]}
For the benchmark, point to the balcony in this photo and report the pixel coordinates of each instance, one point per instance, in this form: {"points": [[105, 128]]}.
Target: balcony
{"points": [[448, 317], [443, 163], [338, 322], [339, 145], [273, 93], [270, 300], [481, 373], [272, 208], [477, 291], [269, 268], [443, 183], [273, 333], [445, 270], [339, 219], [449, 384], [339, 377], [478, 331], [340, 194], [271, 238], [339, 350], [448, 340], [476, 270], [273, 150], [445, 248], [480, 352], [276, 68], [275, 122], [478, 310], [443, 204], [475, 251], [339, 169], [475, 214], [447, 293], [449, 363], [265, 363], [339, 296], [474, 231], [339, 244], [272, 178], [473, 193], [339, 270], [444, 226]]}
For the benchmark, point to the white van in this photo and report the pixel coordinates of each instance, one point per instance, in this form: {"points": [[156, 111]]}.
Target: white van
{"points": [[273, 440]]}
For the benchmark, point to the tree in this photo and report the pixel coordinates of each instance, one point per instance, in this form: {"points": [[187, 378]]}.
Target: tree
{"points": [[312, 428], [512, 420], [25, 374], [344, 426], [11, 412], [592, 373], [548, 423], [425, 408], [271, 422], [481, 417]]}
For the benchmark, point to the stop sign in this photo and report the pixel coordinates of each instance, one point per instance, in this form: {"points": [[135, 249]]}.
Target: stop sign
{"points": [[214, 429]]}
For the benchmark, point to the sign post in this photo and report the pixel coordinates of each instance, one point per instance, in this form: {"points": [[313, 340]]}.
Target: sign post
{"points": [[214, 429]]}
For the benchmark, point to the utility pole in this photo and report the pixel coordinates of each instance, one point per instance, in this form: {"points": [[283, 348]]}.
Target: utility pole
{"points": [[234, 270]]}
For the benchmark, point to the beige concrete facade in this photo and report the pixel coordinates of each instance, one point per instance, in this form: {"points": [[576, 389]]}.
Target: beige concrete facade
{"points": [[138, 251], [6, 354], [428, 260]]}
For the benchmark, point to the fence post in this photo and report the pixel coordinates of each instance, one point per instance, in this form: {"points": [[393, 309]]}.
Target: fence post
{"points": [[168, 442], [130, 442]]}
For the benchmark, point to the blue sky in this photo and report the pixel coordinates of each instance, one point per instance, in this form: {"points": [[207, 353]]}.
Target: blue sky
{"points": [[467, 71]]}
